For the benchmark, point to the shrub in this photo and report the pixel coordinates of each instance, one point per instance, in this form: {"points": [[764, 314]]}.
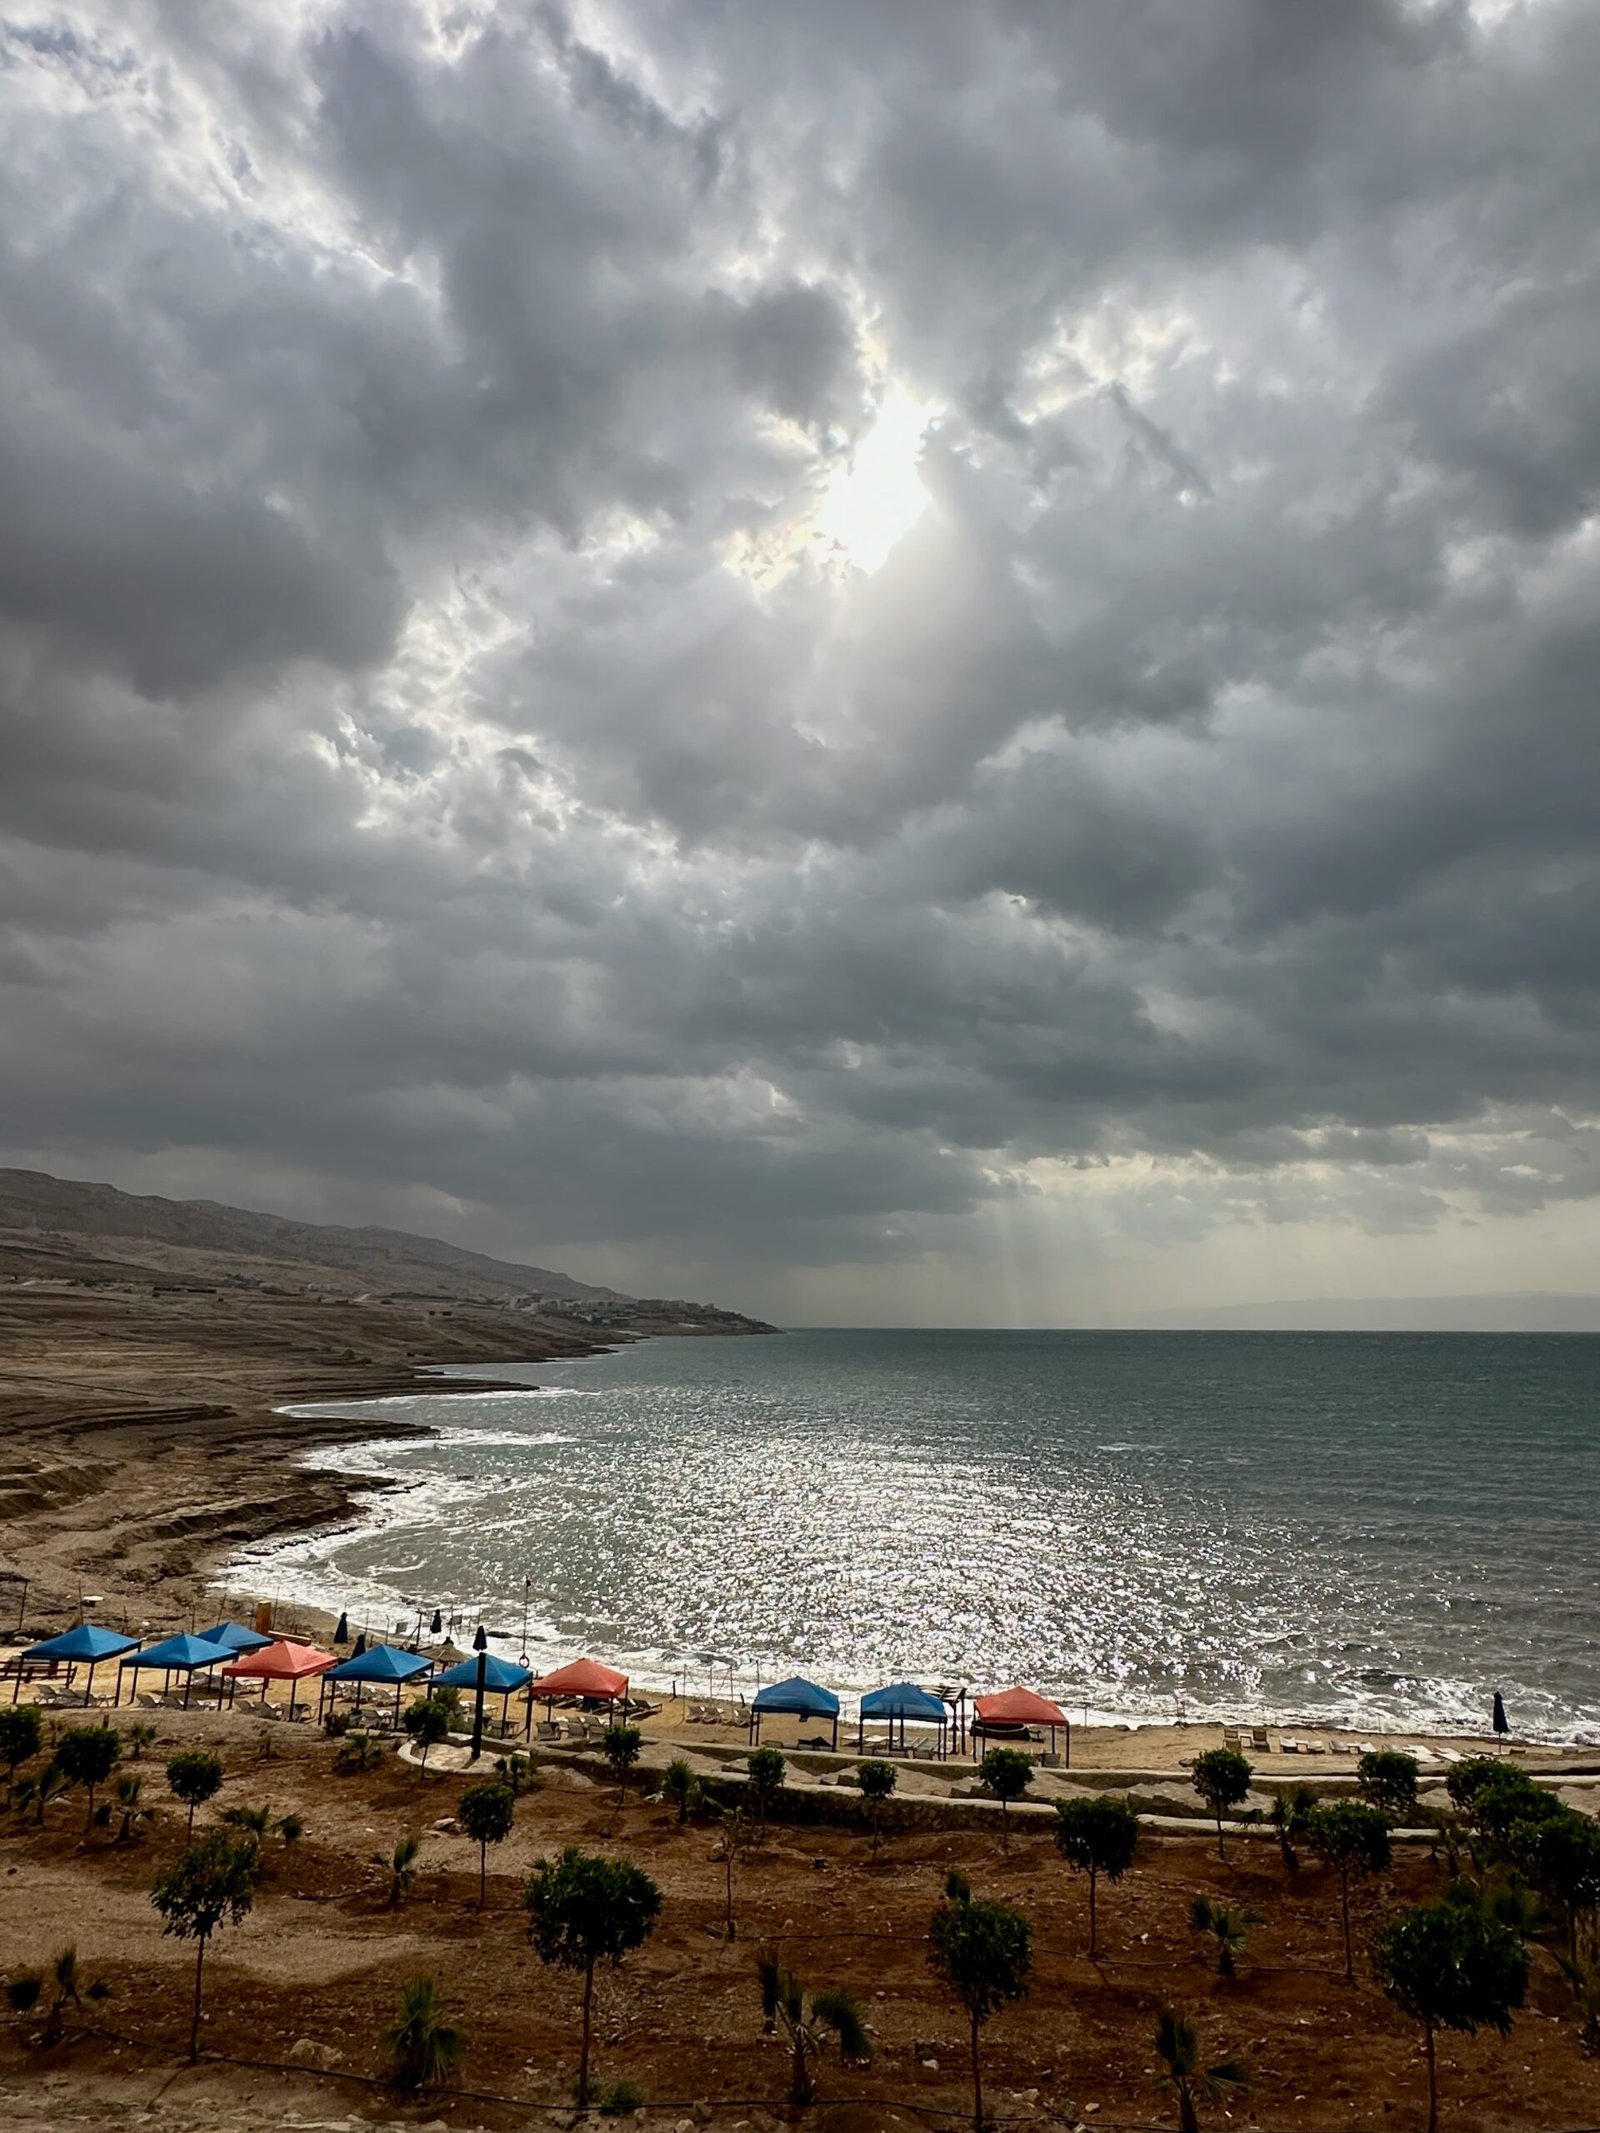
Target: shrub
{"points": [[423, 2048]]}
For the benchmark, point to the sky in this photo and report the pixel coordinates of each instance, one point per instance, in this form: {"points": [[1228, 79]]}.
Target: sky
{"points": [[888, 664]]}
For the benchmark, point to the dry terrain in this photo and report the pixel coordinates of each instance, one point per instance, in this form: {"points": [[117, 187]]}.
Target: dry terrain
{"points": [[299, 1992]]}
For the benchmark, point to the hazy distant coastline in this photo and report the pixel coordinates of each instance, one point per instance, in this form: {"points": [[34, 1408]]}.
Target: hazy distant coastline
{"points": [[1530, 1311]]}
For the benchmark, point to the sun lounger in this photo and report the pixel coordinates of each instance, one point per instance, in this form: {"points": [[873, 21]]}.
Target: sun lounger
{"points": [[1259, 1740], [547, 1730], [1315, 1747], [1289, 1744]]}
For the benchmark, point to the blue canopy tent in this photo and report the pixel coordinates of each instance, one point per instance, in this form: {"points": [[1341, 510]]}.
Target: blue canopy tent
{"points": [[388, 1666], [500, 1678], [86, 1644], [183, 1654], [794, 1698], [235, 1636], [904, 1701]]}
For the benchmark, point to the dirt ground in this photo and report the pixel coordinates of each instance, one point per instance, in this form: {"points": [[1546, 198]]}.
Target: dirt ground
{"points": [[301, 1990]]}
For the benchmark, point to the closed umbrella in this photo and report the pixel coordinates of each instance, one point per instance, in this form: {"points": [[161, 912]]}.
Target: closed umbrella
{"points": [[342, 1634], [436, 1624], [1502, 1724]]}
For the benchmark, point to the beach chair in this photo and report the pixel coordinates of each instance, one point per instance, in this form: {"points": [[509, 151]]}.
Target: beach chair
{"points": [[547, 1730], [1259, 1740], [1289, 1744], [1232, 1737], [1315, 1747]]}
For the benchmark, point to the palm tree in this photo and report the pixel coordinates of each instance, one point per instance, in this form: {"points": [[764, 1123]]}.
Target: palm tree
{"points": [[1228, 1925], [139, 1738], [423, 2049], [805, 2019], [1288, 1819], [254, 1821], [1184, 2077], [129, 1789], [403, 1869], [680, 1785], [50, 1785], [359, 1751]]}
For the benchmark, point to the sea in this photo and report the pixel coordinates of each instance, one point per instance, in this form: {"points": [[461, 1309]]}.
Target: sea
{"points": [[1376, 1531]]}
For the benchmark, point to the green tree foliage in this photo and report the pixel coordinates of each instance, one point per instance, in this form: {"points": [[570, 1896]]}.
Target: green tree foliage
{"points": [[1007, 1773], [1221, 1776], [1560, 1856], [767, 1772], [877, 1780], [403, 1870], [1097, 1835], [680, 1785], [1466, 1779], [805, 2019], [1182, 2075], [1386, 1778], [1450, 1966], [517, 1772], [982, 1953], [585, 1909], [254, 1821], [86, 1756], [486, 1814], [622, 1746], [211, 1884], [428, 1722], [21, 1738], [194, 1775], [1228, 1924], [139, 1738], [1290, 1809], [1352, 1838], [1495, 1808], [423, 2048]]}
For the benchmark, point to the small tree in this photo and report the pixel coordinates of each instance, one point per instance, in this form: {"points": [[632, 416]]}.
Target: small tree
{"points": [[516, 1771], [212, 1883], [428, 1722], [1353, 1839], [486, 1814], [982, 1954], [67, 1990], [1222, 1779], [402, 1870], [1387, 1779], [254, 1821], [622, 1745], [804, 2019], [1290, 1809], [86, 1756], [1097, 1835], [736, 1835], [767, 1770], [1228, 1924], [194, 1775], [360, 1751], [1182, 2075], [583, 1908], [1449, 1966], [877, 1780], [139, 1738], [21, 1738], [1007, 1773], [1466, 1779], [1560, 1855], [423, 2049], [680, 1785]]}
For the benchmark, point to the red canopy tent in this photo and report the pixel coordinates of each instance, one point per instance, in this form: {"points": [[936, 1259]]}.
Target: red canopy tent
{"points": [[282, 1661], [582, 1677], [1021, 1707]]}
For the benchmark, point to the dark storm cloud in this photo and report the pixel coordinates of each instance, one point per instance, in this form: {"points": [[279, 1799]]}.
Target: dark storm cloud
{"points": [[443, 759]]}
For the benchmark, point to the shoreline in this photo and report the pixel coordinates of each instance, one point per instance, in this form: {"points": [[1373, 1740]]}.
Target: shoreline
{"points": [[318, 1602]]}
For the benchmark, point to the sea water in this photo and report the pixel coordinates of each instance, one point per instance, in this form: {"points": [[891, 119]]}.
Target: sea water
{"points": [[1367, 1530]]}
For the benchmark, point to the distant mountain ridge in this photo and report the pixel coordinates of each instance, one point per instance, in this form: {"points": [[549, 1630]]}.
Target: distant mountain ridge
{"points": [[180, 1236], [1509, 1311]]}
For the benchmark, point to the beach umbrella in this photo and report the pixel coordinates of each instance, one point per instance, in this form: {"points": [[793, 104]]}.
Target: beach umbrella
{"points": [[1502, 1724], [341, 1635], [436, 1624], [361, 1645], [480, 1642]]}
